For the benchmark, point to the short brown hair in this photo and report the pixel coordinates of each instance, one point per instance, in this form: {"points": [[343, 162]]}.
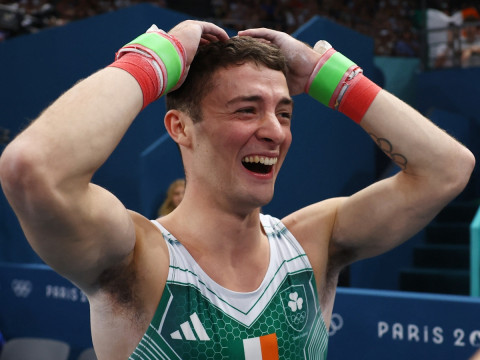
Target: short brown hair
{"points": [[213, 56]]}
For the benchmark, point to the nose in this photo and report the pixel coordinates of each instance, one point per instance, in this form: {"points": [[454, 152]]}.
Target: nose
{"points": [[271, 130]]}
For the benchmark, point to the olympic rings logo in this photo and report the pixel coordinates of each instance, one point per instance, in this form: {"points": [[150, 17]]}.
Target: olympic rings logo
{"points": [[21, 288], [336, 323], [298, 318]]}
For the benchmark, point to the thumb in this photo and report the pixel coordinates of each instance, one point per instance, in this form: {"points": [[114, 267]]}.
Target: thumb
{"points": [[153, 28], [322, 46]]}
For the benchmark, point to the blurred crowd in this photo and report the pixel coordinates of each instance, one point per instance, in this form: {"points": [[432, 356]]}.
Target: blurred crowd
{"points": [[390, 22], [29, 16], [395, 25]]}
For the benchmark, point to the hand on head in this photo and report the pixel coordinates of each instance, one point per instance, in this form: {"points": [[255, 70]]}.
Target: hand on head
{"points": [[193, 33], [301, 58]]}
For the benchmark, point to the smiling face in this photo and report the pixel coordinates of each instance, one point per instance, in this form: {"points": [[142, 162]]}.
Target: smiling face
{"points": [[239, 146]]}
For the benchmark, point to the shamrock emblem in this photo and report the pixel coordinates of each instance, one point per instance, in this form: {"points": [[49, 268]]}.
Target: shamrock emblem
{"points": [[295, 302]]}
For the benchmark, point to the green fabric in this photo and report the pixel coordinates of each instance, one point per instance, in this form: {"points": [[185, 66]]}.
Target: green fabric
{"points": [[167, 52], [328, 77]]}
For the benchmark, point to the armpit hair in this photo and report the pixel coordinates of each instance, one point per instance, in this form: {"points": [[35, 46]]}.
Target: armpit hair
{"points": [[337, 263], [120, 282]]}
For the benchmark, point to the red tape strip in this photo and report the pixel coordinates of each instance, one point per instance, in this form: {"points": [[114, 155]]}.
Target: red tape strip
{"points": [[141, 68], [358, 97]]}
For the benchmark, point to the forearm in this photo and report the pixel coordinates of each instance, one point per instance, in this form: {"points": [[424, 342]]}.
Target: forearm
{"points": [[77, 133], [435, 168], [415, 144]]}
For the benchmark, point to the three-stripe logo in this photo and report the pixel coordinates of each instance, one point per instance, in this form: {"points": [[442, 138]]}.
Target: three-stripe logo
{"points": [[187, 333]]}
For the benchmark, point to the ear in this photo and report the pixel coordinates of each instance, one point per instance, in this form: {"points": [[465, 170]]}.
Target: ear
{"points": [[177, 124]]}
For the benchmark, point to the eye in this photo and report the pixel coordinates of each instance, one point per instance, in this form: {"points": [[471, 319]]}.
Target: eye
{"points": [[247, 110], [285, 117]]}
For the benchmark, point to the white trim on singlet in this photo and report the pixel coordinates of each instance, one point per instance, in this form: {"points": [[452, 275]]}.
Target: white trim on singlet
{"points": [[286, 257]]}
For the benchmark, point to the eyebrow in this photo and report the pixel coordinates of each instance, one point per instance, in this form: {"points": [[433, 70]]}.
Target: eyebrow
{"points": [[257, 98]]}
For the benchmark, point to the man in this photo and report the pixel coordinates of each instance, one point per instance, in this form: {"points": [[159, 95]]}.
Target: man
{"points": [[215, 278], [470, 42]]}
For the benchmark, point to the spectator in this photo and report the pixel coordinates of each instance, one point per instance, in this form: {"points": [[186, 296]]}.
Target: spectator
{"points": [[470, 43], [448, 54], [406, 46], [175, 193]]}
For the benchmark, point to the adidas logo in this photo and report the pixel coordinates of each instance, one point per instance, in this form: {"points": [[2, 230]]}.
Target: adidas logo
{"points": [[189, 333]]}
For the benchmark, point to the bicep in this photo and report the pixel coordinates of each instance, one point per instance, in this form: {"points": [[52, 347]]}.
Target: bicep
{"points": [[80, 236], [382, 216]]}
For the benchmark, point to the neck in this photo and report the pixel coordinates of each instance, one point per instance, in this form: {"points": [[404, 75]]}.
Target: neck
{"points": [[216, 239], [221, 229]]}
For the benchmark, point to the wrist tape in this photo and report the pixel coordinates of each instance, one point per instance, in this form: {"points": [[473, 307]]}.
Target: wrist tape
{"points": [[339, 83], [156, 60]]}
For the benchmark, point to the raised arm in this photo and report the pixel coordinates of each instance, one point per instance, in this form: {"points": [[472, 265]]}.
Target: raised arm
{"points": [[77, 227], [434, 167]]}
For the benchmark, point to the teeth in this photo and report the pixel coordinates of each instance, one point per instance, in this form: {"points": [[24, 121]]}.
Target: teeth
{"points": [[260, 159]]}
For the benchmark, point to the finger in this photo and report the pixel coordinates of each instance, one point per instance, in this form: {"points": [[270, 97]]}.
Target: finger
{"points": [[153, 28], [209, 38], [322, 46], [255, 32], [264, 33], [214, 30], [263, 40], [258, 38]]}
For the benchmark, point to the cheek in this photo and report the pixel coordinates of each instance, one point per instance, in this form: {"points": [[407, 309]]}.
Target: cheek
{"points": [[285, 146], [232, 137], [288, 139]]}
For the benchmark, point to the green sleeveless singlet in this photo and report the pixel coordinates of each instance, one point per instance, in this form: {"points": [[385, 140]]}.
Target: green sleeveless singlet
{"points": [[199, 319]]}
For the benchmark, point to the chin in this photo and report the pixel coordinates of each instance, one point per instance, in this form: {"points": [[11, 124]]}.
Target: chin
{"points": [[263, 201]]}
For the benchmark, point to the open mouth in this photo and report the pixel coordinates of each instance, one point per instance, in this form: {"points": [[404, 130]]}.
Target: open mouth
{"points": [[259, 164]]}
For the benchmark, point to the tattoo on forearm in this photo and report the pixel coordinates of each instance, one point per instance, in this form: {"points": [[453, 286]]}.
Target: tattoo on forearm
{"points": [[387, 147]]}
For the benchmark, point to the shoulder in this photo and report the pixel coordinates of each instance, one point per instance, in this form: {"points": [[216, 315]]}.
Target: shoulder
{"points": [[151, 252], [313, 227]]}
